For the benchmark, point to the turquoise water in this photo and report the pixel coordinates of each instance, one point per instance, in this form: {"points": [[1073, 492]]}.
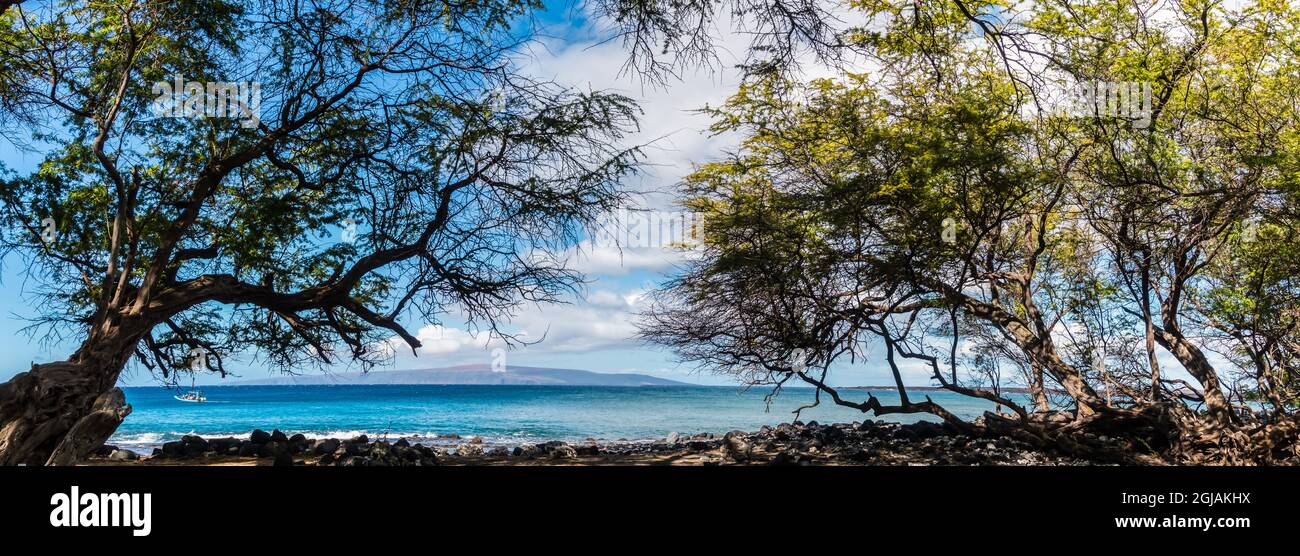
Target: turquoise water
{"points": [[499, 414]]}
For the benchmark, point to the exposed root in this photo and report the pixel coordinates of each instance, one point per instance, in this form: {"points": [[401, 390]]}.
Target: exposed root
{"points": [[1155, 434]]}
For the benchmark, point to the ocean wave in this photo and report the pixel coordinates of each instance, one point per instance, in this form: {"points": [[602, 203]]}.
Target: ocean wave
{"points": [[138, 438], [154, 439]]}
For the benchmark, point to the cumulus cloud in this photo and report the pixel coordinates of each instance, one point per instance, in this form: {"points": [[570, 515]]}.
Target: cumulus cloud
{"points": [[438, 340], [673, 134], [602, 320]]}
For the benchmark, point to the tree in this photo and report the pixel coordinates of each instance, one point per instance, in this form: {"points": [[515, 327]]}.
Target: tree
{"points": [[935, 205], [399, 166]]}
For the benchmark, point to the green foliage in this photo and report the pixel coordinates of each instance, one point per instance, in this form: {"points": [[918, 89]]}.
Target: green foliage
{"points": [[886, 203], [405, 120]]}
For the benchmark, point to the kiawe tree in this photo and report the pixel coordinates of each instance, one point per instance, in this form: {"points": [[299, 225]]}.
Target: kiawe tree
{"points": [[396, 165], [934, 209]]}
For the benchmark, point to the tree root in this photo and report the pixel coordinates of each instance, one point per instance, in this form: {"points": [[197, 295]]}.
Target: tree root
{"points": [[90, 432], [1154, 434]]}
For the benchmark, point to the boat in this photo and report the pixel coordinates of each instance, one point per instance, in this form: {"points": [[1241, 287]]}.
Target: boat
{"points": [[191, 396]]}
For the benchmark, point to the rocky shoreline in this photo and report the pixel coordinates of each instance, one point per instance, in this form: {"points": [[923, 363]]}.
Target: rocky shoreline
{"points": [[863, 443]]}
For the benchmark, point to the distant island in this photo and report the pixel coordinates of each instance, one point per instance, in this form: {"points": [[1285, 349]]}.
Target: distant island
{"points": [[536, 376], [470, 374]]}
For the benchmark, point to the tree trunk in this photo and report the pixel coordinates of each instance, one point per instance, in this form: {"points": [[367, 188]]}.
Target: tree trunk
{"points": [[1191, 357], [1037, 389], [1150, 330], [90, 432], [57, 413]]}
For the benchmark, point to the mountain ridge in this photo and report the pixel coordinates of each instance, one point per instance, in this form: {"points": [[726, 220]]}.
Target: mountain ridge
{"points": [[470, 374]]}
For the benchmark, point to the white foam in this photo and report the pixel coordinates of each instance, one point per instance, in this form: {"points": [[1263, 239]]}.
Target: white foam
{"points": [[149, 440]]}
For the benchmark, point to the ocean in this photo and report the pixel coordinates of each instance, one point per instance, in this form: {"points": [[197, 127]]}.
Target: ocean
{"points": [[503, 415]]}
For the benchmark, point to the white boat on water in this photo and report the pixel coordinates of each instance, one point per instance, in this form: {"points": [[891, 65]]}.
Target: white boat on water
{"points": [[191, 396]]}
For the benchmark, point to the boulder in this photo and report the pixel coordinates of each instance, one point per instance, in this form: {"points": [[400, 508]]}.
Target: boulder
{"points": [[173, 449], [277, 436], [363, 439], [354, 461], [259, 436], [406, 453], [273, 449], [469, 450], [546, 447], [222, 445], [904, 433], [299, 446], [123, 455], [926, 429], [563, 452], [283, 458], [784, 431], [736, 446], [248, 449], [672, 438], [832, 435], [402, 443], [195, 440], [326, 446]]}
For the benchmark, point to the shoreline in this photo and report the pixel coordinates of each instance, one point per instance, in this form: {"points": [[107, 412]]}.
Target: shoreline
{"points": [[867, 443]]}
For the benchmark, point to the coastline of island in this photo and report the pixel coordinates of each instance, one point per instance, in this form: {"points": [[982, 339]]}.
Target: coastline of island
{"points": [[866, 443]]}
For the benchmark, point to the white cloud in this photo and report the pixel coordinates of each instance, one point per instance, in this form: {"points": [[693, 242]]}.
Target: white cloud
{"points": [[673, 133], [603, 320], [438, 340], [610, 260]]}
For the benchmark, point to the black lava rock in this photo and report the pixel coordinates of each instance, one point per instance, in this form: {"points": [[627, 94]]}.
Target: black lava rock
{"points": [[327, 446], [174, 449]]}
